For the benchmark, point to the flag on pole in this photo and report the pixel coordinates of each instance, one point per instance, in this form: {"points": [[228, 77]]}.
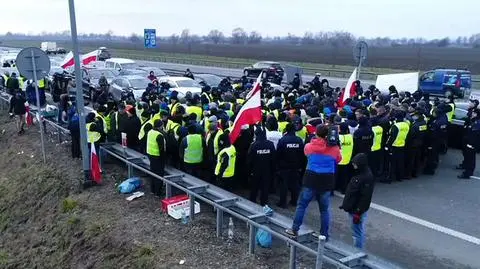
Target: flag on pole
{"points": [[251, 111], [68, 61], [86, 59], [95, 165], [350, 89]]}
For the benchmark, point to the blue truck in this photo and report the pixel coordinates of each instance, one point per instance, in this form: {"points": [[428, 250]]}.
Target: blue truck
{"points": [[446, 82]]}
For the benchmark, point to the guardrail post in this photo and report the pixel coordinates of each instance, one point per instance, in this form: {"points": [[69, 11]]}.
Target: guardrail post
{"points": [[192, 206], [130, 170], [293, 257], [219, 222], [168, 190], [100, 157], [321, 249], [251, 239]]}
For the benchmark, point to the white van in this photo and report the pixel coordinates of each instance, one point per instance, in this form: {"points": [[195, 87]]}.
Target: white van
{"points": [[120, 63]]}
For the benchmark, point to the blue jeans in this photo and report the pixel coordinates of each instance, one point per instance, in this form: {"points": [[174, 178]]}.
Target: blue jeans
{"points": [[323, 199], [358, 231]]}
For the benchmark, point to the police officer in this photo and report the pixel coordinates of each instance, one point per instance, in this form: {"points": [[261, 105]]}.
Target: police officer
{"points": [[363, 137], [188, 74], [146, 127], [101, 122], [192, 150], [291, 161], [347, 145], [377, 153], [156, 150], [472, 144], [225, 167], [174, 104], [296, 82], [437, 129], [261, 165], [396, 147], [94, 130], [213, 145], [12, 83], [414, 144]]}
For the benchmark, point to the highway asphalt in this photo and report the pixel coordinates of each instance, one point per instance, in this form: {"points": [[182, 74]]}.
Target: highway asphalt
{"points": [[428, 222]]}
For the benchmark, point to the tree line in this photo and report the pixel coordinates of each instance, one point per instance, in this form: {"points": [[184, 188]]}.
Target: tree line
{"points": [[336, 39]]}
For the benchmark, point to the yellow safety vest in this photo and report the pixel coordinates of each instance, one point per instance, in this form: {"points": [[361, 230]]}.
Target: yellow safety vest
{"points": [[346, 146], [102, 118], [194, 151], [41, 83], [403, 129], [92, 136], [141, 134], [240, 101], [195, 109], [215, 140], [207, 96], [377, 138], [282, 125], [152, 145], [275, 113], [20, 82], [173, 108], [451, 114], [302, 133], [232, 156]]}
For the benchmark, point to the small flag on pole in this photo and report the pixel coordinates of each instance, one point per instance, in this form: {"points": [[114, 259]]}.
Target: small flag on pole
{"points": [[95, 165]]}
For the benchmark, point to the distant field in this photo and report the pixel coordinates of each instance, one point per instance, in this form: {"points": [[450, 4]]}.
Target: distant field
{"points": [[329, 61]]}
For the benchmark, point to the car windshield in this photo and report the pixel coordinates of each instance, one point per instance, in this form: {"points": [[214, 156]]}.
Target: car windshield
{"points": [[211, 80], [188, 83], [128, 65], [96, 74], [140, 83], [157, 72], [261, 65]]}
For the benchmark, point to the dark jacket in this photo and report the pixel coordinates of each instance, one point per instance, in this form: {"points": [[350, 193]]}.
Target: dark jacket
{"points": [[17, 103], [472, 136], [13, 84], [321, 166], [131, 126], [358, 195], [290, 152], [363, 139], [261, 157], [416, 135]]}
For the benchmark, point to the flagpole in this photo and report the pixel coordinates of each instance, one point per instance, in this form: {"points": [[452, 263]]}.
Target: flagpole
{"points": [[79, 95]]}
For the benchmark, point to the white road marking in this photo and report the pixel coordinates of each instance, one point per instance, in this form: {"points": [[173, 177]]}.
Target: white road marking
{"points": [[424, 223], [477, 178]]}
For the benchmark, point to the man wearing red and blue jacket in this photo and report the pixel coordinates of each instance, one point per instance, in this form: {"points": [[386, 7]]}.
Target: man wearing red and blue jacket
{"points": [[318, 181]]}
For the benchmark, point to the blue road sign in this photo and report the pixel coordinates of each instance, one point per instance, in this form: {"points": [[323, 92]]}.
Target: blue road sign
{"points": [[150, 38]]}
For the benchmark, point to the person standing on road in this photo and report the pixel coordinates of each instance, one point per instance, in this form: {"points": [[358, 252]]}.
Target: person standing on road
{"points": [[17, 108], [261, 165], [347, 145], [12, 84], [318, 180], [377, 154], [156, 149], [188, 74], [414, 144], [437, 130], [290, 161], [192, 150], [472, 144], [396, 148], [363, 136], [358, 198], [131, 125], [213, 146], [225, 167]]}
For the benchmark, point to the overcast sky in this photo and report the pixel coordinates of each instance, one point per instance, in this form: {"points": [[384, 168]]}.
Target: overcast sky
{"points": [[369, 18]]}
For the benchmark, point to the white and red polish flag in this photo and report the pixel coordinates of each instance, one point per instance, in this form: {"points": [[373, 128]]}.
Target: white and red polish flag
{"points": [[86, 59], [95, 165], [350, 90]]}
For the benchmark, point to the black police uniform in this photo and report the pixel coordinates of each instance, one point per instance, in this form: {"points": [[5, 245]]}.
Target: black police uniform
{"points": [[261, 163], [413, 148], [436, 129], [291, 161], [363, 139], [472, 144]]}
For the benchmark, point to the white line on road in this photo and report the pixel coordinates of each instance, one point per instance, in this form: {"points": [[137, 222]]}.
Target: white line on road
{"points": [[423, 223], [477, 178]]}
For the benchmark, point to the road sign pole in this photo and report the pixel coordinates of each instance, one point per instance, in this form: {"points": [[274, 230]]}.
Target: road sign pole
{"points": [[79, 94], [39, 116], [359, 68]]}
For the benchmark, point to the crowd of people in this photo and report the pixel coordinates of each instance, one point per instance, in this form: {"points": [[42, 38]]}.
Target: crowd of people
{"points": [[310, 142]]}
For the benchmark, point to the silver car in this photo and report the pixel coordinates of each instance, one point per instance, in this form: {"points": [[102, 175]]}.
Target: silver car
{"points": [[131, 83]]}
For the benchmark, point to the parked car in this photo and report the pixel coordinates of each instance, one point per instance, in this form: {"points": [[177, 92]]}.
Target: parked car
{"points": [[271, 69], [446, 82], [61, 50], [130, 72], [131, 83], [208, 80], [157, 71], [182, 85], [104, 54], [90, 79], [120, 63]]}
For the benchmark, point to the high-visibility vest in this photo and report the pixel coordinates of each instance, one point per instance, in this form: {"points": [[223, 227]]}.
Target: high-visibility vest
{"points": [[102, 118], [20, 82], [240, 101], [275, 113], [108, 120], [451, 114], [207, 96], [302, 133], [116, 119], [377, 138], [232, 156], [152, 145], [92, 136], [346, 147], [194, 151], [141, 134], [5, 79], [403, 129], [41, 83], [229, 113], [195, 109], [173, 108], [282, 125], [215, 140]]}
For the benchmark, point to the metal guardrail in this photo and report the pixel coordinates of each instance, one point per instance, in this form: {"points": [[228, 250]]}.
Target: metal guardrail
{"points": [[246, 211]]}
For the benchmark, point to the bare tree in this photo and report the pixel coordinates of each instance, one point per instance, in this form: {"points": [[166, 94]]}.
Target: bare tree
{"points": [[108, 35], [134, 38], [308, 38], [174, 38], [185, 36], [215, 36], [293, 39], [254, 38], [444, 42], [239, 36]]}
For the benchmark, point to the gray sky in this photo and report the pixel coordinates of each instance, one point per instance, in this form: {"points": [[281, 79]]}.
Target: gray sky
{"points": [[369, 18]]}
